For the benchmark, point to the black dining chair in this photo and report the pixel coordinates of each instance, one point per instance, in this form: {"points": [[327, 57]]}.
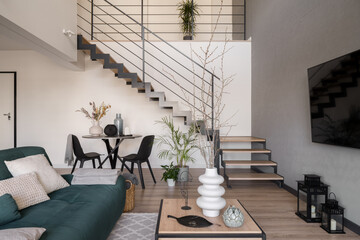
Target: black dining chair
{"points": [[141, 157], [81, 156]]}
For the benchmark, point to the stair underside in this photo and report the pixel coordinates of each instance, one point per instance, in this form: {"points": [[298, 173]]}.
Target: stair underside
{"points": [[254, 176], [235, 150], [241, 139], [239, 163]]}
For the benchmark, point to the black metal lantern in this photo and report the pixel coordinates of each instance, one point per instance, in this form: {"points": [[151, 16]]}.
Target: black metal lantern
{"points": [[332, 216], [311, 193]]}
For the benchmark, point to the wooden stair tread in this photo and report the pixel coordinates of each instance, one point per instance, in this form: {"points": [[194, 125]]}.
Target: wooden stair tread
{"points": [[241, 139], [249, 163], [239, 150], [254, 176]]}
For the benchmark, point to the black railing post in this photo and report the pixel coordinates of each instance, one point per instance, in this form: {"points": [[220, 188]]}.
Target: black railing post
{"points": [[192, 19], [92, 19], [143, 40], [212, 103], [244, 19]]}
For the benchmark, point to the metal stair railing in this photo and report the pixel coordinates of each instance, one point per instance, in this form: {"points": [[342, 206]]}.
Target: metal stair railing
{"points": [[145, 63]]}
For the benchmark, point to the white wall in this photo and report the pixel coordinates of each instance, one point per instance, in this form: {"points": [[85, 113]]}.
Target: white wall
{"points": [[42, 22], [49, 94], [288, 37]]}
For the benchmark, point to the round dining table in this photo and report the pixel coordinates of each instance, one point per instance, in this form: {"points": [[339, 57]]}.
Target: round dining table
{"points": [[112, 151]]}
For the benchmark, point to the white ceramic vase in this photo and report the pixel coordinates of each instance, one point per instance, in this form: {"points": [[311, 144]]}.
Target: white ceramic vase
{"points": [[96, 130], [170, 182], [210, 200]]}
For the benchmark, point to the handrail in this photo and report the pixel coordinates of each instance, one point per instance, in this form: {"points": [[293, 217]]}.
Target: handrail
{"points": [[160, 38], [122, 33]]}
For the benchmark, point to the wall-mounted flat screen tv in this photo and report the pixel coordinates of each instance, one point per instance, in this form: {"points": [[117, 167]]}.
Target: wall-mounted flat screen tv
{"points": [[334, 88]]}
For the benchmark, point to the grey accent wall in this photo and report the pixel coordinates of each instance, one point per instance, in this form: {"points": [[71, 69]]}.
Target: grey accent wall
{"points": [[288, 37]]}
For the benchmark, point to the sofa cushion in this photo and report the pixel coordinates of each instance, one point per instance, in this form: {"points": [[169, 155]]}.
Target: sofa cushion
{"points": [[15, 153], [81, 212], [48, 177], [22, 233], [25, 189], [8, 209]]}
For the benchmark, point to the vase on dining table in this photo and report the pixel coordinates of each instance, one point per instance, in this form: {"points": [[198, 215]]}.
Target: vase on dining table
{"points": [[118, 122], [95, 129]]}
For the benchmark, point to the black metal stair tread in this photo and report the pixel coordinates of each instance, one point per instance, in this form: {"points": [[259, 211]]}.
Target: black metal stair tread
{"points": [[254, 176], [249, 163], [241, 139], [239, 150]]}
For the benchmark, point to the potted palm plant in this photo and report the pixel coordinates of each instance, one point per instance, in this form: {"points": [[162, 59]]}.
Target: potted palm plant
{"points": [[171, 174], [178, 145], [188, 11]]}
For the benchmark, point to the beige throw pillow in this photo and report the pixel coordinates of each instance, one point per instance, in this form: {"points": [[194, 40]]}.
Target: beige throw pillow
{"points": [[29, 233], [47, 175], [25, 189]]}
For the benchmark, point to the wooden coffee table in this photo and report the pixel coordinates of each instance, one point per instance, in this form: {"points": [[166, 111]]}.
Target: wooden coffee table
{"points": [[170, 229]]}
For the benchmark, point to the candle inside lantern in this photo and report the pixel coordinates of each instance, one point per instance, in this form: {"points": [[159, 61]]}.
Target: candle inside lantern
{"points": [[333, 225], [313, 211]]}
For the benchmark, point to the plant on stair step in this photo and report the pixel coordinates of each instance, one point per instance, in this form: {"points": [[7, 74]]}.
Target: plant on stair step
{"points": [[96, 114], [178, 145]]}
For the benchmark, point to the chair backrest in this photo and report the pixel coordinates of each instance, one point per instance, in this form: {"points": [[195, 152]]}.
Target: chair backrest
{"points": [[78, 151], [146, 147]]}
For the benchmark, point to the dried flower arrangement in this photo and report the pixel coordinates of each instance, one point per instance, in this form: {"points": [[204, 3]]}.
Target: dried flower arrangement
{"points": [[97, 112]]}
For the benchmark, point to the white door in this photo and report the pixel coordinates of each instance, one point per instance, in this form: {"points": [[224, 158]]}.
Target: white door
{"points": [[6, 110]]}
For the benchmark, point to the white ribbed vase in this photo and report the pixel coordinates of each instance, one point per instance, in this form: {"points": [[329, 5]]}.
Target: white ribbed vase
{"points": [[211, 201]]}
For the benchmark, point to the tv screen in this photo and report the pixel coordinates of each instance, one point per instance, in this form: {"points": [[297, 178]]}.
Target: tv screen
{"points": [[334, 88]]}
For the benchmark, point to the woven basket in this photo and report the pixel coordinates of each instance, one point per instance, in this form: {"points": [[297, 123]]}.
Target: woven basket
{"points": [[130, 197]]}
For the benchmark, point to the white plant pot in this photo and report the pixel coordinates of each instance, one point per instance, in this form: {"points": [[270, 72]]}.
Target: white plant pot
{"points": [[210, 200], [170, 182]]}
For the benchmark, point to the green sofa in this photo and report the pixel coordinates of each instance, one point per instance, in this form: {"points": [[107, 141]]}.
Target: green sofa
{"points": [[79, 212]]}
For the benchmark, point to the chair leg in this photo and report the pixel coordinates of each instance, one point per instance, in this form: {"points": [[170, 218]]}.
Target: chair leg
{"points": [[81, 163], [141, 175], [74, 165], [99, 162], [132, 168], [93, 162], [122, 165], [152, 174]]}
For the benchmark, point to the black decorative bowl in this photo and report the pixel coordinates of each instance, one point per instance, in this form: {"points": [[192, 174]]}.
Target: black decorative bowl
{"points": [[110, 130]]}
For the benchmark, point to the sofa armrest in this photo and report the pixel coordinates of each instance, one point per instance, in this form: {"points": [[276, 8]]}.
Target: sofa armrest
{"points": [[68, 177]]}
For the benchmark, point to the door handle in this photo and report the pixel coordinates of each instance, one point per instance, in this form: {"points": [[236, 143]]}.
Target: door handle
{"points": [[8, 115]]}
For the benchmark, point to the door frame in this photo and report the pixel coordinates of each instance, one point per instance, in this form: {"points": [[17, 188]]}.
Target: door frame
{"points": [[15, 87]]}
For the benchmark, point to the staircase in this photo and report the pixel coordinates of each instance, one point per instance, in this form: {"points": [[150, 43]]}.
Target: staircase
{"points": [[335, 85], [232, 171], [132, 79]]}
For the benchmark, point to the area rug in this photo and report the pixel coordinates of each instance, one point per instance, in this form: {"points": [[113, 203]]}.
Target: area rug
{"points": [[135, 226]]}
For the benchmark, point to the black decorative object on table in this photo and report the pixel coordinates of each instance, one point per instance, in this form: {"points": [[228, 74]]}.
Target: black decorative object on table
{"points": [[310, 196], [184, 190], [332, 216], [110, 130], [193, 221]]}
